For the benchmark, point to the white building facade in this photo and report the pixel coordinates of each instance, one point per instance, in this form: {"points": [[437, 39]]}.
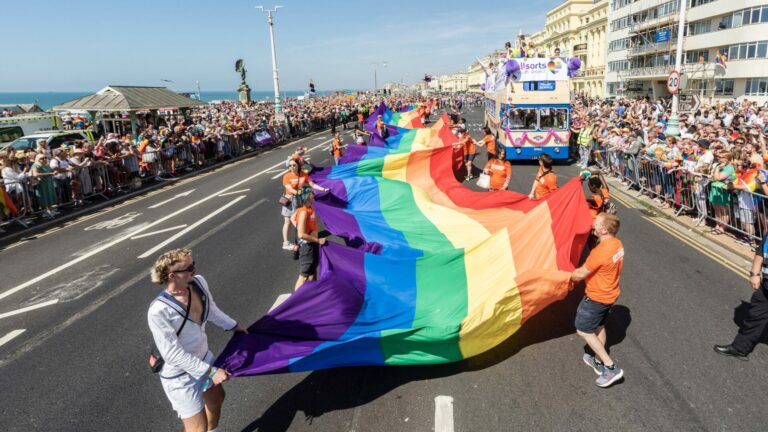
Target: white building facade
{"points": [[642, 38]]}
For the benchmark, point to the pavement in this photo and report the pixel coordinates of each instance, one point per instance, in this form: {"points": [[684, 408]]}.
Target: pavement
{"points": [[74, 338]]}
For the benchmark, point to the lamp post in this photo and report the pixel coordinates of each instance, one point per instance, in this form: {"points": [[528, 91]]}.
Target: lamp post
{"points": [[673, 126], [278, 107], [375, 74]]}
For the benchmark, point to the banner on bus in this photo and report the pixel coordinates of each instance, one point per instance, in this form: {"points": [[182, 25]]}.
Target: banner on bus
{"points": [[553, 69]]}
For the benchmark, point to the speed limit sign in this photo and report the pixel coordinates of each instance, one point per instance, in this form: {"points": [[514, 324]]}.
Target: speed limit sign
{"points": [[673, 82]]}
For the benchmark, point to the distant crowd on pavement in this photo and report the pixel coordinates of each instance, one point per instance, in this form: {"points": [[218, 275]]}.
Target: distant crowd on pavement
{"points": [[40, 182]]}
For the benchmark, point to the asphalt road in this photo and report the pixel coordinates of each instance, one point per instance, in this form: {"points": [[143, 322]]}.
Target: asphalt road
{"points": [[80, 363]]}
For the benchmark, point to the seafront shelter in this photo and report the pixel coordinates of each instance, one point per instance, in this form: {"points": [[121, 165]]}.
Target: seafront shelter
{"points": [[113, 101]]}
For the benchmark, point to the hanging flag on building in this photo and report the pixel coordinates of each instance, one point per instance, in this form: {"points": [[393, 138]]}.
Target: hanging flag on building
{"points": [[720, 59]]}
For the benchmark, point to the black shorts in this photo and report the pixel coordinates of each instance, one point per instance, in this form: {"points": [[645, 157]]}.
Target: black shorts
{"points": [[469, 157], [591, 315], [308, 258]]}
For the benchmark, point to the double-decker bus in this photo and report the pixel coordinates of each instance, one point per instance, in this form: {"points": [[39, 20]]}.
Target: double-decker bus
{"points": [[530, 115]]}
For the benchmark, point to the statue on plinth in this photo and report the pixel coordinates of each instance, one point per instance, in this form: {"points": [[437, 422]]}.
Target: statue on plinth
{"points": [[243, 91]]}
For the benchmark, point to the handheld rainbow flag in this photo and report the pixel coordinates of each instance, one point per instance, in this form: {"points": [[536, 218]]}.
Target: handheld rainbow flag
{"points": [[720, 59], [432, 272]]}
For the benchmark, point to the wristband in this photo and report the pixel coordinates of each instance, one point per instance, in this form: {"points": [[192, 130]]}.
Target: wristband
{"points": [[753, 274], [209, 381]]}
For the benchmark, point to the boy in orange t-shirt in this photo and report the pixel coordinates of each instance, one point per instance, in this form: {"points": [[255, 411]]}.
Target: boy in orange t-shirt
{"points": [[602, 273], [546, 179]]}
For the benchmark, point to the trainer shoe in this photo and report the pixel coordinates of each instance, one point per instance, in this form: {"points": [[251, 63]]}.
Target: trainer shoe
{"points": [[609, 376], [287, 245], [592, 362]]}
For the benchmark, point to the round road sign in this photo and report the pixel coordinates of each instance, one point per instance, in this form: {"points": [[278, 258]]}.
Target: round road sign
{"points": [[673, 82]]}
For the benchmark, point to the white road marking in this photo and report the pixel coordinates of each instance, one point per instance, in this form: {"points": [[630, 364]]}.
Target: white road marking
{"points": [[443, 414], [114, 223], [183, 194], [190, 228], [280, 299], [46, 334], [7, 338], [106, 246], [234, 192], [28, 308], [158, 232], [280, 174]]}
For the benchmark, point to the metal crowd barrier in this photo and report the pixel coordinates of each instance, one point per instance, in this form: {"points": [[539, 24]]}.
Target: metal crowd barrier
{"points": [[105, 179], [746, 212]]}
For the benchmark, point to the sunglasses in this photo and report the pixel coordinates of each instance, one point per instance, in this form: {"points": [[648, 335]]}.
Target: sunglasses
{"points": [[293, 165], [190, 269]]}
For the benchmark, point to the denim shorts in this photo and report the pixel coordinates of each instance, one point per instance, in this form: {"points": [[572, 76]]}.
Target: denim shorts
{"points": [[591, 314]]}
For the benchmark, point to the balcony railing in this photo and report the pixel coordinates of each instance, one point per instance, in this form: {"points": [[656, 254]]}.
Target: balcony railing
{"points": [[649, 71], [653, 48]]}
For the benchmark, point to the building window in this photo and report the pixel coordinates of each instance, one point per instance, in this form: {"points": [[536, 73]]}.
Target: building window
{"points": [[745, 51], [695, 3], [756, 87], [696, 56], [724, 88], [754, 15]]}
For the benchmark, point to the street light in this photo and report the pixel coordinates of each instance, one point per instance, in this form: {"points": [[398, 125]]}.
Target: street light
{"points": [[375, 75], [278, 107]]}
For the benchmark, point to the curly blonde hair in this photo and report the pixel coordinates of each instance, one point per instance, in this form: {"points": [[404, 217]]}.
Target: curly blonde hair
{"points": [[164, 262]]}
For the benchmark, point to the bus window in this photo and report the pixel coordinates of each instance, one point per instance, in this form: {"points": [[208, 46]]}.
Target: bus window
{"points": [[12, 133], [553, 118], [521, 119]]}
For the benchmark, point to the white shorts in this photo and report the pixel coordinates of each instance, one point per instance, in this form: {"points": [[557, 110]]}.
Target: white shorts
{"points": [[185, 392]]}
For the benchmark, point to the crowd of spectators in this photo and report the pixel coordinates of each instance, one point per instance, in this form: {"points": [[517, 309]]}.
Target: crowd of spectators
{"points": [[714, 169], [40, 182]]}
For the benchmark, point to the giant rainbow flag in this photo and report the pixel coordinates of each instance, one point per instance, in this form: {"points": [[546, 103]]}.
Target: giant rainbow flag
{"points": [[431, 272]]}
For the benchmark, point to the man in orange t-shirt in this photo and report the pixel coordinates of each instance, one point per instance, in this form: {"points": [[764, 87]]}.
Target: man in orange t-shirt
{"points": [[602, 273], [546, 179]]}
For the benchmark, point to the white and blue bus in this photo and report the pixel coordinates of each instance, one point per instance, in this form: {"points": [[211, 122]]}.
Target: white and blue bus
{"points": [[531, 114]]}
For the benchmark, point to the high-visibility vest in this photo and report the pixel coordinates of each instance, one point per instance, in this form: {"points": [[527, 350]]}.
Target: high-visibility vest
{"points": [[585, 137]]}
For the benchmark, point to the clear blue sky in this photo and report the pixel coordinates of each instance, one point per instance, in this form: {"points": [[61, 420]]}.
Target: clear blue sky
{"points": [[83, 45]]}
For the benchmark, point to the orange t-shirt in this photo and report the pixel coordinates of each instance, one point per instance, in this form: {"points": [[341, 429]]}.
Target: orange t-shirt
{"points": [[295, 181], [469, 146], [336, 147], [605, 263], [310, 224], [490, 143], [545, 184], [500, 171], [596, 206]]}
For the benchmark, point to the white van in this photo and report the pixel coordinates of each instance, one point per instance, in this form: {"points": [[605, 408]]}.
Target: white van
{"points": [[12, 128]]}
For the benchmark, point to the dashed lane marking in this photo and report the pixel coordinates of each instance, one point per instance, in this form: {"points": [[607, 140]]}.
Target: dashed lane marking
{"points": [[158, 232], [12, 335], [443, 414], [29, 308], [234, 192]]}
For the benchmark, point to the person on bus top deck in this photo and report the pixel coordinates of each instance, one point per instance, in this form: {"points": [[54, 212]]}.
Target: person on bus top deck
{"points": [[546, 179], [557, 52]]}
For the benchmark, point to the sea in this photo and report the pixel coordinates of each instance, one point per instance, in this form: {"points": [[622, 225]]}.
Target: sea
{"points": [[47, 100]]}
